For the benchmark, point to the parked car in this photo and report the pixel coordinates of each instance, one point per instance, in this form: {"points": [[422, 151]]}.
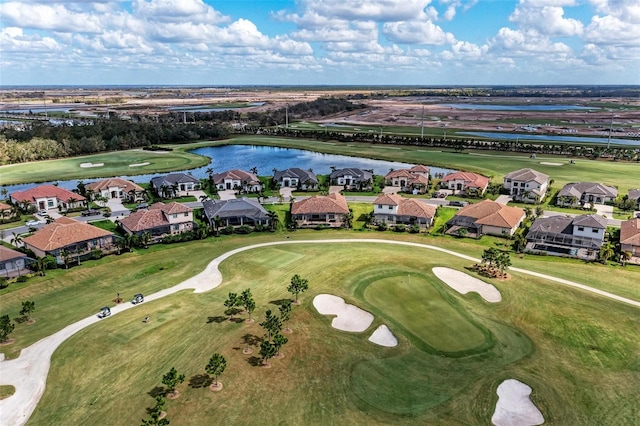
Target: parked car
{"points": [[138, 298], [90, 212], [32, 223], [104, 312], [43, 213], [458, 203]]}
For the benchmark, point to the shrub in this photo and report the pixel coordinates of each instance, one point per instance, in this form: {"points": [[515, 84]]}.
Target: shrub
{"points": [[22, 279], [415, 229], [96, 254], [228, 230], [4, 282], [382, 226], [399, 228], [244, 229]]}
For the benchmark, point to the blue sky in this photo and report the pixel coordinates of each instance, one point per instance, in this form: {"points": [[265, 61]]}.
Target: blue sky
{"points": [[366, 42]]}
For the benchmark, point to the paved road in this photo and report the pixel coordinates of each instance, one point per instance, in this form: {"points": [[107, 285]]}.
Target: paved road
{"points": [[28, 373]]}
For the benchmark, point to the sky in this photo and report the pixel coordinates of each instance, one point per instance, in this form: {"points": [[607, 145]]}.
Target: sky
{"points": [[319, 42]]}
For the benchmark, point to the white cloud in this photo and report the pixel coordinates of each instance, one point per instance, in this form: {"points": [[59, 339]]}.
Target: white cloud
{"points": [[376, 10], [519, 43], [415, 32], [178, 10], [546, 18], [13, 39], [610, 30], [44, 17]]}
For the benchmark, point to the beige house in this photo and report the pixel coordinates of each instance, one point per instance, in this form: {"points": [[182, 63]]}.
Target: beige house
{"points": [[415, 179], [48, 197], [13, 263], [630, 238], [393, 209], [160, 220], [78, 239], [486, 218], [467, 182], [238, 180], [526, 185], [320, 210], [118, 188]]}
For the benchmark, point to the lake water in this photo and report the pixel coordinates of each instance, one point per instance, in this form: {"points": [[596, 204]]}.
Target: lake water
{"points": [[265, 159], [553, 138], [525, 107]]}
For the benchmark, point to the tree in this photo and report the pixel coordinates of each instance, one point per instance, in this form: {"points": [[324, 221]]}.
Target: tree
{"points": [[285, 312], [6, 327], [16, 239], [347, 219], [171, 380], [606, 252], [369, 218], [156, 413], [539, 211], [40, 266], [273, 220], [246, 300], [519, 242], [278, 341], [271, 324], [66, 257], [216, 366], [267, 351], [625, 256], [503, 261], [28, 307], [298, 285], [145, 239], [231, 303], [462, 232]]}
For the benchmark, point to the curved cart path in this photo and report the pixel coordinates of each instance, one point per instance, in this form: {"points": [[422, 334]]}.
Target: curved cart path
{"points": [[28, 372]]}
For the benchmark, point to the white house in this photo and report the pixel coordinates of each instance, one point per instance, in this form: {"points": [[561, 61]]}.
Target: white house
{"points": [[296, 178], [526, 185], [118, 188], [583, 193], [237, 180], [46, 197], [580, 236]]}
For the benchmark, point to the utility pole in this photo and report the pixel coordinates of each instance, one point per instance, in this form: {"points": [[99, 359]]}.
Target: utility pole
{"points": [[610, 129], [422, 126]]}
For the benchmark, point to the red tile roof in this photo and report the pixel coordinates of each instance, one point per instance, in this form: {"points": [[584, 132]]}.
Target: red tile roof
{"points": [[62, 233], [333, 203], [4, 206], [171, 208], [46, 191], [407, 206], [419, 168], [144, 219], [471, 180], [630, 232], [236, 174], [490, 213], [8, 254], [123, 184]]}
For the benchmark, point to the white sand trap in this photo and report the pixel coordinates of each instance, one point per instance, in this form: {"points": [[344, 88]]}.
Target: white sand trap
{"points": [[87, 165], [384, 337], [463, 283], [514, 408], [547, 163], [348, 317], [139, 164]]}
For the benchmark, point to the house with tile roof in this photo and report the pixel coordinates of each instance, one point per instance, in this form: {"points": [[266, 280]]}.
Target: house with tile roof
{"points": [[352, 179], [320, 210], [159, 220], [486, 218], [13, 263], [394, 209], [581, 194], [174, 185], [630, 238], [579, 236], [467, 182], [49, 197], [526, 185], [235, 212], [6, 211], [634, 194], [296, 178], [414, 180], [238, 180], [118, 188], [66, 234]]}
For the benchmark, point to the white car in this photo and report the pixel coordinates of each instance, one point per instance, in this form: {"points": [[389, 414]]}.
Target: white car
{"points": [[43, 213], [31, 223]]}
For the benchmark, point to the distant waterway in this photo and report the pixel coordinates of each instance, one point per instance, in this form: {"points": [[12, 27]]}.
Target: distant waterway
{"points": [[525, 107], [265, 159], [553, 138]]}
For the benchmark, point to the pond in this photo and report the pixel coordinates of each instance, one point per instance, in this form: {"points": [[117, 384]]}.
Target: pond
{"points": [[526, 107], [552, 138], [265, 159]]}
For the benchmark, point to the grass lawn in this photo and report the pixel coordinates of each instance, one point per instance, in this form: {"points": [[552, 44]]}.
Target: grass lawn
{"points": [[6, 391], [105, 224], [579, 352]]}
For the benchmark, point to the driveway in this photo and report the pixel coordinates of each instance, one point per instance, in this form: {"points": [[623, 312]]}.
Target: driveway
{"points": [[603, 210], [228, 194], [286, 193], [503, 199], [335, 189]]}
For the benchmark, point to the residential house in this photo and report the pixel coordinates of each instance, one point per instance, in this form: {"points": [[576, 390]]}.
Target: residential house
{"points": [[467, 182], [394, 210], [238, 180], [526, 185], [47, 197], [581, 194], [235, 212], [486, 217], [634, 194], [118, 188], [296, 178], [160, 220], [415, 179], [174, 185], [13, 263], [6, 211], [579, 236], [320, 210], [351, 178], [630, 238], [75, 238]]}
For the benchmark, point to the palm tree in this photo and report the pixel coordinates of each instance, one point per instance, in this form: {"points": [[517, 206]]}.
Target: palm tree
{"points": [[254, 170], [519, 242], [40, 266], [347, 219], [16, 240], [369, 218], [625, 256], [66, 257], [145, 238], [606, 252], [217, 221], [204, 198], [273, 220]]}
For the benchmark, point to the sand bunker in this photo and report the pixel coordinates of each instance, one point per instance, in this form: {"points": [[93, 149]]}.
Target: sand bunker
{"points": [[514, 408], [546, 163], [384, 337], [463, 283], [87, 165], [139, 164], [348, 317]]}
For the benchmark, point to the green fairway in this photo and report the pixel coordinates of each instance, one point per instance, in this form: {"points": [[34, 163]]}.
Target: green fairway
{"points": [[579, 352]]}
